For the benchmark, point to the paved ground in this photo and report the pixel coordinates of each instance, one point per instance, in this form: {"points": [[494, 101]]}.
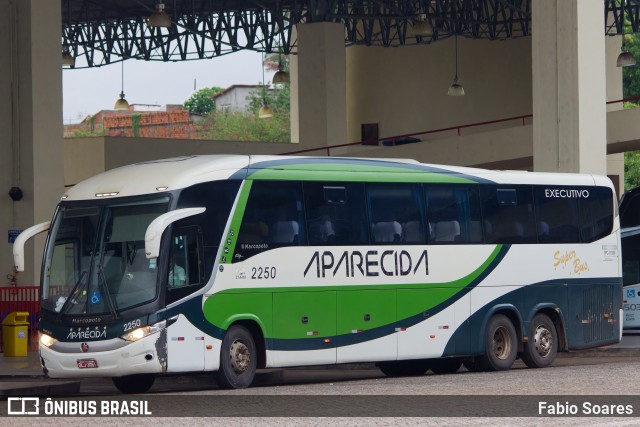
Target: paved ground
{"points": [[611, 371]]}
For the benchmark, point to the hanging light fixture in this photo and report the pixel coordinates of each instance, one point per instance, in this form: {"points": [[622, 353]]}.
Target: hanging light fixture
{"points": [[122, 104], [159, 18], [67, 59], [281, 76], [265, 111], [456, 88], [625, 59], [421, 27]]}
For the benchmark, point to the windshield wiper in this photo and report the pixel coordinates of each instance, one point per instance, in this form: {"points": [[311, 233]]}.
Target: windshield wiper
{"points": [[102, 282], [72, 294]]}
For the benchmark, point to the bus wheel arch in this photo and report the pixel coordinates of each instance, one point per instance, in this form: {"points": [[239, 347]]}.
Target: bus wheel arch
{"points": [[542, 347], [238, 358], [258, 338], [500, 343], [512, 313], [554, 313]]}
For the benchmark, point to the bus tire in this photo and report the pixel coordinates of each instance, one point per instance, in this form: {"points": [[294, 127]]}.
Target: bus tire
{"points": [[445, 366], [542, 348], [133, 384], [501, 344], [238, 359], [404, 368]]}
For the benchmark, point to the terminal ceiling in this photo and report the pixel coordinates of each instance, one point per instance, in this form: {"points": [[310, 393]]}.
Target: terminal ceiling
{"points": [[100, 32]]}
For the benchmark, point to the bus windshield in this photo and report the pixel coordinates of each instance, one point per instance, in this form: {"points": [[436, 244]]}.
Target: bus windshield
{"points": [[95, 260]]}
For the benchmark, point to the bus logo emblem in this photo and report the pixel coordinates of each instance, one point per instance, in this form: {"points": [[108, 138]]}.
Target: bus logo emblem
{"points": [[84, 347]]}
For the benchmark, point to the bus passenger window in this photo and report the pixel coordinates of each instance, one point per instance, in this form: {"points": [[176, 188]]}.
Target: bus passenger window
{"points": [[454, 214], [508, 214], [396, 213], [597, 213], [556, 213], [273, 218], [334, 211]]}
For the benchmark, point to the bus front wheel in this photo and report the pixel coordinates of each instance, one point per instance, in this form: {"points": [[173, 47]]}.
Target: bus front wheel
{"points": [[542, 347], [238, 359], [133, 384], [501, 344]]}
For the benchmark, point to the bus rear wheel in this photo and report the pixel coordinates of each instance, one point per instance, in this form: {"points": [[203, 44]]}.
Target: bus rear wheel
{"points": [[238, 359], [403, 368], [133, 384], [501, 344], [542, 348]]}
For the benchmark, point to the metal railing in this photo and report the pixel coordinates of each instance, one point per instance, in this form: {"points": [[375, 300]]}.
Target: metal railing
{"points": [[393, 140]]}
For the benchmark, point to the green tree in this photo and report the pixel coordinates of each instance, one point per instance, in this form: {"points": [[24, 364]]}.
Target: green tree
{"points": [[230, 126], [201, 101], [278, 98], [631, 89], [631, 170]]}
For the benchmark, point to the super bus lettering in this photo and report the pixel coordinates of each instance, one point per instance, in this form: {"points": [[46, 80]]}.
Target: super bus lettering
{"points": [[569, 257], [368, 264]]}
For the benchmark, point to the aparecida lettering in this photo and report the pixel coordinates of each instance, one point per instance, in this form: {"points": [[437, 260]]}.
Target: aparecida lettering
{"points": [[566, 193], [367, 264], [87, 335]]}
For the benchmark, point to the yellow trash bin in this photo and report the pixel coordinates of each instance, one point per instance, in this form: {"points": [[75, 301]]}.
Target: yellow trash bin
{"points": [[15, 333]]}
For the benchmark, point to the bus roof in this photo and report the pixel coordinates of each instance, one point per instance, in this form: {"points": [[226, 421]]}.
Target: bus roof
{"points": [[169, 174]]}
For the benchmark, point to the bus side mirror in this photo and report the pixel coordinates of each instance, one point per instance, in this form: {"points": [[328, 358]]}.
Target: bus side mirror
{"points": [[154, 231], [18, 244]]}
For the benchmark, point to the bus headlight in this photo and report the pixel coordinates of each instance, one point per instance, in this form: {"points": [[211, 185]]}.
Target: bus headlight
{"points": [[47, 340], [139, 333]]}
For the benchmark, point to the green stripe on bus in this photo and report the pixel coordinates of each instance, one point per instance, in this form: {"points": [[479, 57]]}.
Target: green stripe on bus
{"points": [[222, 308], [356, 173], [236, 221]]}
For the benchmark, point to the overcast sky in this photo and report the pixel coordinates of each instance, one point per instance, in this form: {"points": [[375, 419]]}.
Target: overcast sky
{"points": [[87, 91]]}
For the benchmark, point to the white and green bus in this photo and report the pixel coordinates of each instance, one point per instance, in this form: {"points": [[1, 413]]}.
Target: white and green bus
{"points": [[233, 263]]}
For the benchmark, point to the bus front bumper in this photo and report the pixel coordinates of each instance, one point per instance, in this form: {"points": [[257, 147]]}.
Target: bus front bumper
{"points": [[69, 360]]}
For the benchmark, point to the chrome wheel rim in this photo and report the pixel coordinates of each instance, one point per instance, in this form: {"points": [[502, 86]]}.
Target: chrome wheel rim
{"points": [[543, 341], [240, 357], [501, 343]]}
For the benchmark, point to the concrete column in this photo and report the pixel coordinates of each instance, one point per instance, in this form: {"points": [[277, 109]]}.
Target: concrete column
{"points": [[615, 162], [321, 85], [569, 86], [31, 143], [294, 115]]}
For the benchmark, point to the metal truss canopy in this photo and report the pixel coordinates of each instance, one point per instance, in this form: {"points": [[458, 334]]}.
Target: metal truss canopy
{"points": [[100, 32]]}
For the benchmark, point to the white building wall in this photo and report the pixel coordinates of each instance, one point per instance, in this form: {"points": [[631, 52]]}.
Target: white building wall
{"points": [[235, 100]]}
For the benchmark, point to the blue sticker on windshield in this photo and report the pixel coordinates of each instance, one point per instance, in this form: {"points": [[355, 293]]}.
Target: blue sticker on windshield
{"points": [[95, 297]]}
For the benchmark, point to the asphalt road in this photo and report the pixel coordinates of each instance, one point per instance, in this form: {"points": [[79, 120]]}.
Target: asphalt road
{"points": [[334, 396]]}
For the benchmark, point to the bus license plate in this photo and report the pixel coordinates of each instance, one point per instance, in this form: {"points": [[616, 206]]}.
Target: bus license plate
{"points": [[87, 363]]}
